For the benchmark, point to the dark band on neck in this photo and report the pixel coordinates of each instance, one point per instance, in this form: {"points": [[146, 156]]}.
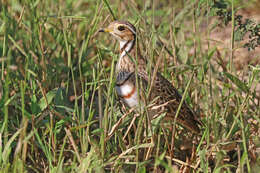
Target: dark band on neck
{"points": [[122, 77], [124, 47], [128, 42]]}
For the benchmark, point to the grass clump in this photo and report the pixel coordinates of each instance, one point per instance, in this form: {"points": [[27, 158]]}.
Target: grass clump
{"points": [[57, 103]]}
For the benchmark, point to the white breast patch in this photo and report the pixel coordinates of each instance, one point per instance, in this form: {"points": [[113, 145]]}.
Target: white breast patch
{"points": [[128, 94]]}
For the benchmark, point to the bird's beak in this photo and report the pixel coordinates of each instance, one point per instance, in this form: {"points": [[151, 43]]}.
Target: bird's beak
{"points": [[104, 30]]}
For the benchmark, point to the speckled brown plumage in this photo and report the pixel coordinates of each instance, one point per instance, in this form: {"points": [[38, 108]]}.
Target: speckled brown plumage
{"points": [[162, 90]]}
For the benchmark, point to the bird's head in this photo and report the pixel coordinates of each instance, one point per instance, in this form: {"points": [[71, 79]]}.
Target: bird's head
{"points": [[123, 31]]}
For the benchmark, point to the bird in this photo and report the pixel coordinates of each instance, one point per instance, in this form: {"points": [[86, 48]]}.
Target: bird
{"points": [[162, 91]]}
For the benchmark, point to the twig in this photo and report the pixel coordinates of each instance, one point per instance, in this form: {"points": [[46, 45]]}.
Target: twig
{"points": [[117, 124]]}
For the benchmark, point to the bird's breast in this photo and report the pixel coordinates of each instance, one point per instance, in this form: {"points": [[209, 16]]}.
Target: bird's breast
{"points": [[128, 93]]}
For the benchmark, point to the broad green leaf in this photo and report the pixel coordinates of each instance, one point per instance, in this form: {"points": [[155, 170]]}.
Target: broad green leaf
{"points": [[142, 169], [49, 96], [7, 148]]}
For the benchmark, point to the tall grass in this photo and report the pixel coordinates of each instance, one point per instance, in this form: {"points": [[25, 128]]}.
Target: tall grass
{"points": [[59, 111]]}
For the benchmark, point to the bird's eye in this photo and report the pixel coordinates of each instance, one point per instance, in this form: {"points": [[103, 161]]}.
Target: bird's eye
{"points": [[121, 28]]}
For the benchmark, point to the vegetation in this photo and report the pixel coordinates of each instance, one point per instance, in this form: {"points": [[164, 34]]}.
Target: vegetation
{"points": [[58, 109]]}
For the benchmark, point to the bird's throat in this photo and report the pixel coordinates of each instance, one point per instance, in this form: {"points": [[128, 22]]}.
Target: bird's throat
{"points": [[126, 49]]}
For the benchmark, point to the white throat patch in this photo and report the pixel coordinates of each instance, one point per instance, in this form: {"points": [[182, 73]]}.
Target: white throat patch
{"points": [[127, 47]]}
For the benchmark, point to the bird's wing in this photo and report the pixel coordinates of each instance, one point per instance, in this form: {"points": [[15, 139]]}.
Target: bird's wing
{"points": [[165, 92]]}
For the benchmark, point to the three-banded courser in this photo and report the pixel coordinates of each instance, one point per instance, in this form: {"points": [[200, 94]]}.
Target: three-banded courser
{"points": [[162, 91]]}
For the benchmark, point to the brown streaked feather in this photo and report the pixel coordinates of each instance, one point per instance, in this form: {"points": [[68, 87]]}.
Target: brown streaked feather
{"points": [[163, 89], [128, 64]]}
